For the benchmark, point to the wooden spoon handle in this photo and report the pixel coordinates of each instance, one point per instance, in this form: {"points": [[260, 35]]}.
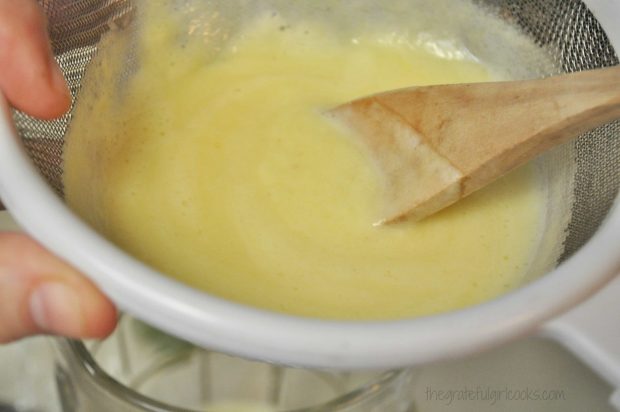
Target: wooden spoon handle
{"points": [[487, 129]]}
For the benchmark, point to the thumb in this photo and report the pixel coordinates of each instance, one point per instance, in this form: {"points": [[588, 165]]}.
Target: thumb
{"points": [[41, 294]]}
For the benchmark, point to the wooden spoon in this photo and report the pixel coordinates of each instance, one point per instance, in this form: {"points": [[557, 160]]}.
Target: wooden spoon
{"points": [[437, 144]]}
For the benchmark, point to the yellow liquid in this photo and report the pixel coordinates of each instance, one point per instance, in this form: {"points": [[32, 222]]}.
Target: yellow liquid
{"points": [[223, 174], [239, 407]]}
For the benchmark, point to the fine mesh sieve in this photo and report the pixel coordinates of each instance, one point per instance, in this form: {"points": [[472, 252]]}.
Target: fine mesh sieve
{"points": [[569, 33], [566, 29]]}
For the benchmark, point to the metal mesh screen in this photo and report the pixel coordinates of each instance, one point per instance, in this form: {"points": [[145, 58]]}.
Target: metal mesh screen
{"points": [[566, 28], [75, 28], [576, 41]]}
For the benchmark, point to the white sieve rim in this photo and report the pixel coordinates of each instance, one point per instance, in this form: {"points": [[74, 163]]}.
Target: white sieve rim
{"points": [[246, 331]]}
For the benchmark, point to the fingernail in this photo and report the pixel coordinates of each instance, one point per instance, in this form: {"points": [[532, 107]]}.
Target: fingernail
{"points": [[55, 308]]}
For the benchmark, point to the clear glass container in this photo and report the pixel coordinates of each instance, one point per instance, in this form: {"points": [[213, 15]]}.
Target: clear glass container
{"points": [[141, 369]]}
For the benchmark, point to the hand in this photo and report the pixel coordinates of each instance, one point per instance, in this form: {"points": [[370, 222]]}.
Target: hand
{"points": [[38, 292]]}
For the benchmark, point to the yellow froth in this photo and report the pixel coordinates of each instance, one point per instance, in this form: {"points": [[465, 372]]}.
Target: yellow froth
{"points": [[223, 173]]}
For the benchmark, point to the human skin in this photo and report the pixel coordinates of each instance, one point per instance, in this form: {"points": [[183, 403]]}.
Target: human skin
{"points": [[40, 293]]}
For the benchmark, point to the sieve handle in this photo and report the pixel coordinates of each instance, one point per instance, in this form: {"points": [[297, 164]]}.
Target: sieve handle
{"points": [[591, 331]]}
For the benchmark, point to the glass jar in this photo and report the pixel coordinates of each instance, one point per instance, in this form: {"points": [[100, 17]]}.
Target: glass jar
{"points": [[139, 368]]}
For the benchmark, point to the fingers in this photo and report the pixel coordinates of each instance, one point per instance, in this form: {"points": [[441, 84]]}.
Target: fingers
{"points": [[38, 292], [29, 76], [41, 294]]}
